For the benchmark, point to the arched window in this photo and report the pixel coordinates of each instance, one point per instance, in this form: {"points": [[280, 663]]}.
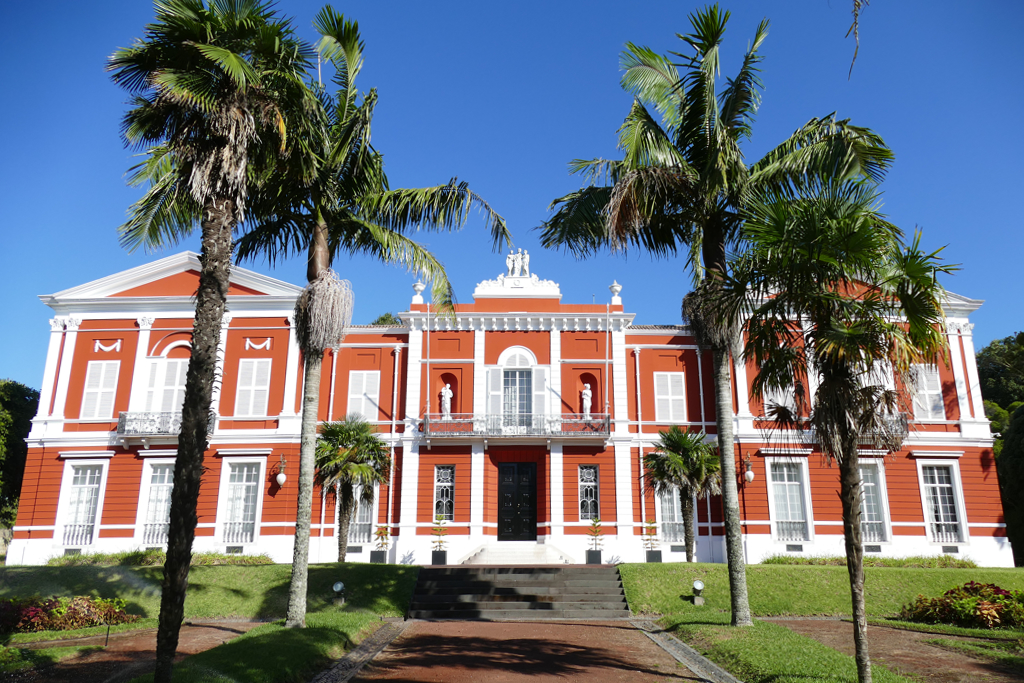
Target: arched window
{"points": [[517, 389]]}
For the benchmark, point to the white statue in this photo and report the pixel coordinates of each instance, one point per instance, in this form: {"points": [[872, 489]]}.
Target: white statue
{"points": [[587, 396], [446, 402], [518, 264], [526, 263], [510, 262]]}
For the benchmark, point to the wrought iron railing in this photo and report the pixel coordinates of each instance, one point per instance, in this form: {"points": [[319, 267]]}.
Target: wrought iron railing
{"points": [[945, 532], [155, 534], [360, 533], [872, 532], [791, 531], [239, 532], [529, 424], [673, 532], [78, 534], [154, 424]]}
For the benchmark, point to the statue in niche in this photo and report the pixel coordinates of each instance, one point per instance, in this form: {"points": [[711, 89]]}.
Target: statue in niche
{"points": [[446, 402], [587, 395], [526, 263], [510, 262]]}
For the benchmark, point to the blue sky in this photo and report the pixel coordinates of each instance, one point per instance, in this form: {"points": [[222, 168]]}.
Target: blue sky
{"points": [[503, 95]]}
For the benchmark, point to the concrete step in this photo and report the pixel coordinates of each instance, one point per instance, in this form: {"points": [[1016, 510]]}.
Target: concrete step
{"points": [[521, 615], [490, 589], [602, 598], [607, 584]]}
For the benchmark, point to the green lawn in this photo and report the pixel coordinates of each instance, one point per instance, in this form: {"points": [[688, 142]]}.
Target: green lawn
{"points": [[13, 660], [771, 653]]}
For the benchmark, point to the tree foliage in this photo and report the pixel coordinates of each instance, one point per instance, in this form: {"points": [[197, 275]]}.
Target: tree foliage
{"points": [[1010, 466], [1001, 370], [387, 319], [18, 405]]}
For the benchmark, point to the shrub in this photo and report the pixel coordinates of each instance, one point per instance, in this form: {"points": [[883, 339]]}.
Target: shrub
{"points": [[61, 614], [152, 557], [916, 562], [977, 605]]}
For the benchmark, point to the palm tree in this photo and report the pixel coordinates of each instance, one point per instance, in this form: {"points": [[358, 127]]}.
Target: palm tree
{"points": [[681, 186], [349, 454], [684, 462], [211, 86], [334, 197], [871, 308]]}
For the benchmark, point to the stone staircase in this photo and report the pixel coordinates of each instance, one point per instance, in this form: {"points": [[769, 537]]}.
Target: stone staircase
{"points": [[519, 593], [517, 552]]}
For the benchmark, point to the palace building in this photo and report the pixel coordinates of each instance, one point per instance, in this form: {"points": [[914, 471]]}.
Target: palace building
{"points": [[518, 420]]}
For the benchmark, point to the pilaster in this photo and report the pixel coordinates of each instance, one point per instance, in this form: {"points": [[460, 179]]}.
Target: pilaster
{"points": [[140, 383], [557, 492], [67, 357], [623, 491], [476, 493]]}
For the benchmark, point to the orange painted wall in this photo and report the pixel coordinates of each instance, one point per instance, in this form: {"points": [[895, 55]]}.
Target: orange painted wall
{"points": [[461, 457], [107, 332], [381, 359], [537, 342], [258, 330], [180, 284], [572, 458]]}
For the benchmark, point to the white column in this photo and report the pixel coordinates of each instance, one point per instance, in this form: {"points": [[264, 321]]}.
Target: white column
{"points": [[476, 494], [225, 323], [557, 490], [410, 482], [68, 355], [410, 444], [620, 410], [956, 359], [740, 373], [50, 370], [555, 382], [412, 390], [967, 334], [291, 371], [140, 376], [624, 493], [479, 372]]}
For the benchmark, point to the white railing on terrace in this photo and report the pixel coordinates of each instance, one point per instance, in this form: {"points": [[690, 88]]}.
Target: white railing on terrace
{"points": [[469, 424], [872, 532], [360, 533], [154, 424], [239, 532], [155, 534], [945, 532], [791, 531], [673, 532], [78, 534]]}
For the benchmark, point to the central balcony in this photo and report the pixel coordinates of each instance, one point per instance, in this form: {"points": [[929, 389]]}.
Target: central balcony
{"points": [[154, 424], [464, 425]]}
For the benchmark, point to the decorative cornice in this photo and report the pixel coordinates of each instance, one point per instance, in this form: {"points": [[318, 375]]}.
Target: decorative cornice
{"points": [[145, 323], [509, 322], [959, 327], [56, 324], [72, 324]]}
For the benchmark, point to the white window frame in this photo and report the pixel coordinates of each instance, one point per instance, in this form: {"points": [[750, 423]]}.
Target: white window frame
{"points": [[517, 358], [659, 518], [116, 364], [436, 485], [63, 502], [805, 477], [958, 499], [672, 417], [144, 488], [222, 496], [883, 498], [363, 397], [596, 485], [357, 492], [918, 390], [247, 410]]}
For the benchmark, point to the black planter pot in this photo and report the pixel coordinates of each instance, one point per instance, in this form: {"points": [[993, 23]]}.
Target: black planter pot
{"points": [[593, 557], [379, 556], [438, 557], [654, 556]]}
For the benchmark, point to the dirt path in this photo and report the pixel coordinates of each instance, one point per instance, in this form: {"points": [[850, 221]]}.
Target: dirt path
{"points": [[128, 655], [904, 652], [516, 652]]}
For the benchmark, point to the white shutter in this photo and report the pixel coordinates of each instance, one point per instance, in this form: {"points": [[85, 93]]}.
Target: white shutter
{"points": [[108, 388], [154, 368], [540, 391], [662, 405], [928, 393], [677, 396], [371, 395], [174, 385], [243, 395], [356, 382], [494, 391], [90, 396], [100, 389], [261, 387]]}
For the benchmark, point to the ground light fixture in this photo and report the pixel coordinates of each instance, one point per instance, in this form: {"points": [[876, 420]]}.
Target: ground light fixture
{"points": [[698, 590], [339, 593]]}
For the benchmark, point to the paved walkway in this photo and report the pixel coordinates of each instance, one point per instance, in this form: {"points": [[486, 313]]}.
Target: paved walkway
{"points": [[517, 652]]}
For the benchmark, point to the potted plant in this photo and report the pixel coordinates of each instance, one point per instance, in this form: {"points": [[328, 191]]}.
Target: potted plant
{"points": [[650, 536], [595, 534], [439, 532], [383, 536]]}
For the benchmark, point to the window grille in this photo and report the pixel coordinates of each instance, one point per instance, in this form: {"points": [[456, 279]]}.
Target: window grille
{"points": [[83, 500], [788, 492], [444, 492], [590, 506], [944, 522], [158, 509], [253, 387], [243, 488], [872, 519], [669, 397], [100, 389]]}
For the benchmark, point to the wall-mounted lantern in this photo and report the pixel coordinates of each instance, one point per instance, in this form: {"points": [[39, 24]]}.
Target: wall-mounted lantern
{"points": [[281, 477]]}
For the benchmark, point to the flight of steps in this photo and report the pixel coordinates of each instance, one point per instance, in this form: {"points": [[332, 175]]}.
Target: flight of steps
{"points": [[519, 592], [518, 552]]}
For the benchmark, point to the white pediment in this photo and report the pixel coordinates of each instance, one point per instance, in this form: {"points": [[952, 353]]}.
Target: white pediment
{"points": [[504, 287]]}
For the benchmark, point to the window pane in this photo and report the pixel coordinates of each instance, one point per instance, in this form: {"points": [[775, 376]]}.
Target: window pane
{"points": [[444, 492], [589, 493]]}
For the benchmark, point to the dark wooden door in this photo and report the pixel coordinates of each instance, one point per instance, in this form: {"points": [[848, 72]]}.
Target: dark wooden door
{"points": [[517, 501]]}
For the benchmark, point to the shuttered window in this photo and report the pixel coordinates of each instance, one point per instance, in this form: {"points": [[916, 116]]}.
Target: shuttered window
{"points": [[928, 393], [166, 391], [100, 389], [364, 393], [253, 387], [669, 397]]}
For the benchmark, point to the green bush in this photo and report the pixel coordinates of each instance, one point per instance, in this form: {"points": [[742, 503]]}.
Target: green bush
{"points": [[978, 605], [61, 614], [916, 562], [152, 558]]}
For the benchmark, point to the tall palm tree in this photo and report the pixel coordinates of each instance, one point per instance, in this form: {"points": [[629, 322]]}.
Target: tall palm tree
{"points": [[211, 86], [681, 186], [333, 198], [349, 454], [684, 462], [870, 307]]}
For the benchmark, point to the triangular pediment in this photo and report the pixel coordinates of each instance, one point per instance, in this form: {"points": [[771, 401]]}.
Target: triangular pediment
{"points": [[174, 276]]}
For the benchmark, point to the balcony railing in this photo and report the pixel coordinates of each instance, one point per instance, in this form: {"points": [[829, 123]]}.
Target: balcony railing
{"points": [[360, 533], [155, 534], [154, 424], [469, 424], [78, 534], [791, 531], [873, 532], [673, 532], [945, 532], [239, 532]]}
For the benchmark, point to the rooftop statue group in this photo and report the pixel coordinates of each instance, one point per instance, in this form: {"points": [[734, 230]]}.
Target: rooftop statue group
{"points": [[518, 264]]}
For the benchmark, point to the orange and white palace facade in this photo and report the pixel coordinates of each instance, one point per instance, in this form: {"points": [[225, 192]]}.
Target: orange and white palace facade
{"points": [[518, 420]]}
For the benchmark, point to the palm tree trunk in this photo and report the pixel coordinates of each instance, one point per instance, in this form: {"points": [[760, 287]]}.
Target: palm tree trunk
{"points": [[730, 497], [850, 495], [344, 519], [687, 501], [211, 297], [307, 463]]}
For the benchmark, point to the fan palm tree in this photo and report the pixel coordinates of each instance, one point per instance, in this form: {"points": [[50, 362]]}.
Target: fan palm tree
{"points": [[211, 86], [684, 462], [350, 454], [334, 198], [871, 308], [680, 188]]}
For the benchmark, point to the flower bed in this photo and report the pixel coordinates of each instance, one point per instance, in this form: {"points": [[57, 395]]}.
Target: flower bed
{"points": [[978, 605], [23, 615]]}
